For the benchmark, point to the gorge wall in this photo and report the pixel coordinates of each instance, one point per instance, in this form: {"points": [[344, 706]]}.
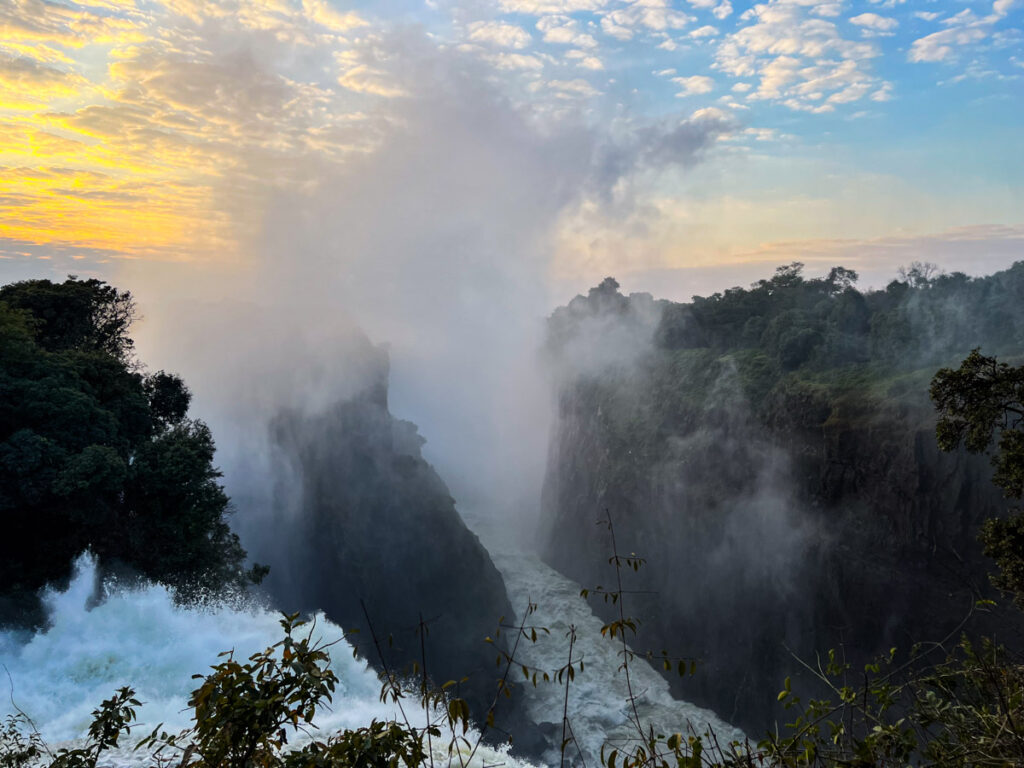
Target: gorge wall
{"points": [[368, 532], [787, 494]]}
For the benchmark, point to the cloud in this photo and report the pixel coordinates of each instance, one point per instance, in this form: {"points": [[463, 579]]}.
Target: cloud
{"points": [[73, 26], [585, 60], [563, 30], [963, 31], [696, 84], [26, 83], [515, 61], [875, 22], [321, 12], [650, 15], [706, 31], [723, 10], [539, 7], [801, 61], [572, 88], [618, 31], [945, 44], [499, 34], [977, 249]]}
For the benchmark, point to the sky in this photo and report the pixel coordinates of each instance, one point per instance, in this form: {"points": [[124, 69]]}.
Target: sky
{"points": [[677, 144]]}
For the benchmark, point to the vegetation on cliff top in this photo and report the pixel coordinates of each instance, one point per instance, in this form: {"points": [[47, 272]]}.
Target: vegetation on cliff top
{"points": [[790, 332]]}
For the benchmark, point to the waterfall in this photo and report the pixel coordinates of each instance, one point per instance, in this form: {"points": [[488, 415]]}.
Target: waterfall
{"points": [[138, 636]]}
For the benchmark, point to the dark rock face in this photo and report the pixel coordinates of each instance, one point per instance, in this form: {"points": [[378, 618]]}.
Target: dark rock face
{"points": [[377, 529], [806, 521]]}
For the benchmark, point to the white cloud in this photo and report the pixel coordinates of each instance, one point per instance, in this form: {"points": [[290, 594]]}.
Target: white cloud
{"points": [[655, 15], [513, 61], [706, 31], [664, 72], [697, 84], [827, 10], [584, 59], [963, 31], [883, 94], [761, 134], [939, 45], [363, 78], [927, 15], [742, 87], [322, 13], [617, 31], [572, 88], [539, 7], [801, 61], [500, 34], [723, 10], [564, 30], [875, 22]]}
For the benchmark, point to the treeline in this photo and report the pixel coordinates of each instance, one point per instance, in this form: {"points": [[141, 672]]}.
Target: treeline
{"points": [[921, 318], [96, 453]]}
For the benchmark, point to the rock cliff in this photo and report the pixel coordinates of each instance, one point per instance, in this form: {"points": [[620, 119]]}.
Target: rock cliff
{"points": [[779, 512]]}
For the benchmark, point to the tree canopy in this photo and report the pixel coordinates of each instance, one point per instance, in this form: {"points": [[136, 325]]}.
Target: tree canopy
{"points": [[981, 403], [96, 454]]}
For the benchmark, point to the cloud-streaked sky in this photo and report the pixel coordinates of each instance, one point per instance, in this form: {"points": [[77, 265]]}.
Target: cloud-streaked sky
{"points": [[656, 135]]}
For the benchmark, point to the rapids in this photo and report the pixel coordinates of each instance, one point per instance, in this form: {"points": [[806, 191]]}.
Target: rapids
{"points": [[598, 698], [139, 637]]}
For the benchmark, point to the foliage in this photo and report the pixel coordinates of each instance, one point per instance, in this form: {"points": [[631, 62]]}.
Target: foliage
{"points": [[20, 745], [85, 315], [981, 399], [244, 713], [96, 454], [812, 324], [980, 403]]}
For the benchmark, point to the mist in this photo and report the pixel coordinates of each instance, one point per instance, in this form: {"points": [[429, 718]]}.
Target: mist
{"points": [[438, 243]]}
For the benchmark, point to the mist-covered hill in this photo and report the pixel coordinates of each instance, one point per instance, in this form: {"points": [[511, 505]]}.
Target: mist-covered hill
{"points": [[770, 451]]}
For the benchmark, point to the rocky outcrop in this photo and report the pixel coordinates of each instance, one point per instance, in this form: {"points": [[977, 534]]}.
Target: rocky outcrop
{"points": [[375, 541], [815, 517]]}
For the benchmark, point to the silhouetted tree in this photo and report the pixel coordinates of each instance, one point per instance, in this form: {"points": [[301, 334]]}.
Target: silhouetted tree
{"points": [[977, 402], [94, 454]]}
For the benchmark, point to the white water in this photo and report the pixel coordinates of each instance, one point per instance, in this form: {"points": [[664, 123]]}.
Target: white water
{"points": [[139, 637], [598, 700]]}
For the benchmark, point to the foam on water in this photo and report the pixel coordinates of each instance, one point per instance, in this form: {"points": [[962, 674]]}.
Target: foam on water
{"points": [[139, 637], [598, 703]]}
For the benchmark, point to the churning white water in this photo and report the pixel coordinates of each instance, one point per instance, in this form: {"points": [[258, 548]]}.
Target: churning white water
{"points": [[599, 709], [139, 637]]}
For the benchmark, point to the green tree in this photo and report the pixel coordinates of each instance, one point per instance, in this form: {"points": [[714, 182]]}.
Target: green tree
{"points": [[95, 454], [76, 314], [981, 403]]}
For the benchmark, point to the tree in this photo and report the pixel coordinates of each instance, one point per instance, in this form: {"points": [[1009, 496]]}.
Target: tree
{"points": [[76, 314], [977, 402], [94, 454], [919, 274]]}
